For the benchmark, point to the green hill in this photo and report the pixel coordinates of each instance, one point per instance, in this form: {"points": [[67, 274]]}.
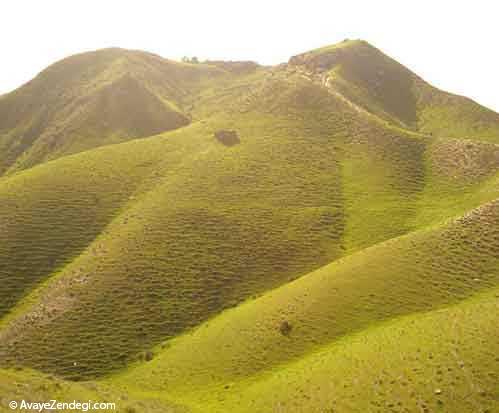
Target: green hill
{"points": [[438, 361], [94, 99], [367, 77], [353, 210]]}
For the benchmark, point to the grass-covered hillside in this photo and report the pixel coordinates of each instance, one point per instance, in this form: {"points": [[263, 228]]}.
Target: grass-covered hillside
{"points": [[376, 83], [95, 99], [319, 236]]}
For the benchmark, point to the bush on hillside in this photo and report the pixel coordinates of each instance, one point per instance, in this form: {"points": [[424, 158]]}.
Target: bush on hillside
{"points": [[148, 355], [285, 328], [227, 137]]}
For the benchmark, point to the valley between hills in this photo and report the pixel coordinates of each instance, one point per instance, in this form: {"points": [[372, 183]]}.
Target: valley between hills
{"points": [[195, 237]]}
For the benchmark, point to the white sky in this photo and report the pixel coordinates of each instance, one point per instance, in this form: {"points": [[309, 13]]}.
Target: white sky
{"points": [[453, 45]]}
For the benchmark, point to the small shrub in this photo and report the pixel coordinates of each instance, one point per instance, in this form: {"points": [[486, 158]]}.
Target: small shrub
{"points": [[148, 355], [285, 328], [227, 137]]}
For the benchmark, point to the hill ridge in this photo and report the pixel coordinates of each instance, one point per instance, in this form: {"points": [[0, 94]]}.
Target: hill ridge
{"points": [[414, 105]]}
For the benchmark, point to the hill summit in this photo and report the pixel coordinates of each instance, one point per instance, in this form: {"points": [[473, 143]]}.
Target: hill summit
{"points": [[93, 99], [376, 82], [113, 95]]}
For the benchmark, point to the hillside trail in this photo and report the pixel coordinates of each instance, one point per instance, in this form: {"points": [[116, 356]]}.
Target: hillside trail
{"points": [[326, 82]]}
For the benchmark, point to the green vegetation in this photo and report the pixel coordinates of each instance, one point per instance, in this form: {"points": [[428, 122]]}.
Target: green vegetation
{"points": [[346, 296], [20, 384], [94, 99], [442, 361], [366, 77], [304, 237]]}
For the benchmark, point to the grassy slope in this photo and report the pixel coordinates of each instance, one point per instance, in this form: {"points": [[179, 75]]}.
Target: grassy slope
{"points": [[31, 386], [175, 253], [366, 76], [203, 242], [442, 361], [396, 366], [418, 272], [51, 213], [161, 266], [94, 99]]}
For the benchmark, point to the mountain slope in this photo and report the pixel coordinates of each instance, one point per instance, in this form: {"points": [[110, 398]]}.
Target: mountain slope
{"points": [[444, 360], [32, 387], [418, 272], [385, 88], [167, 253], [94, 99]]}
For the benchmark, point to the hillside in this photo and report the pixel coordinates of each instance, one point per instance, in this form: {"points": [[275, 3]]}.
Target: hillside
{"points": [[365, 76], [273, 230], [94, 99], [433, 361]]}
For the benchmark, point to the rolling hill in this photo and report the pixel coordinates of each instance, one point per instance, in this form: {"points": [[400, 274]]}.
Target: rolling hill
{"points": [[366, 77], [95, 99], [339, 253]]}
